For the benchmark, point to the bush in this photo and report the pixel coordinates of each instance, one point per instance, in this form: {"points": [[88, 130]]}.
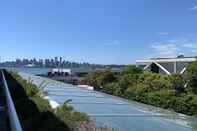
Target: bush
{"points": [[192, 76], [99, 78], [112, 88], [193, 106], [36, 114], [70, 117], [164, 91], [187, 104], [155, 81], [131, 69], [26, 108], [177, 83], [127, 80], [45, 121], [138, 92], [42, 104], [162, 98]]}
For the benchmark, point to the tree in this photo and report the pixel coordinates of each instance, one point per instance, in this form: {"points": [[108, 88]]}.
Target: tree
{"points": [[178, 83], [113, 89], [99, 78], [131, 69], [93, 79], [127, 80], [155, 81], [192, 76], [138, 92], [129, 76], [107, 77]]}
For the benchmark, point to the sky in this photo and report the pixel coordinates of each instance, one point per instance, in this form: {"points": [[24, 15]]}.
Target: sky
{"points": [[98, 31]]}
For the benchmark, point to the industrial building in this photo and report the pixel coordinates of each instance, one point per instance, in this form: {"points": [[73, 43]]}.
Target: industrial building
{"points": [[166, 65]]}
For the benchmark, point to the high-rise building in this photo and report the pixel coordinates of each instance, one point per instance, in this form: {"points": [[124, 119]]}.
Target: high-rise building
{"points": [[60, 60], [56, 61]]}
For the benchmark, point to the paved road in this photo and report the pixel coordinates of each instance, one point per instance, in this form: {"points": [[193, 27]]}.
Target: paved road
{"points": [[113, 111]]}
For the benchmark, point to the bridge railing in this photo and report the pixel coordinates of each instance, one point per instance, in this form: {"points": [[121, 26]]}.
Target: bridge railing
{"points": [[13, 118]]}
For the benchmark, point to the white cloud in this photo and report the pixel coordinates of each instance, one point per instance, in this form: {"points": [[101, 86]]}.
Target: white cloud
{"points": [[190, 45], [164, 49], [163, 33], [194, 51], [113, 43], [193, 8], [174, 47]]}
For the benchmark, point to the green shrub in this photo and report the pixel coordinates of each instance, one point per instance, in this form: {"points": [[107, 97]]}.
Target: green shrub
{"points": [[35, 112], [112, 88], [42, 104], [155, 81], [177, 83], [192, 76], [99, 78], [131, 69], [70, 117], [45, 121], [26, 108], [138, 92], [160, 90], [127, 80], [187, 104], [162, 98]]}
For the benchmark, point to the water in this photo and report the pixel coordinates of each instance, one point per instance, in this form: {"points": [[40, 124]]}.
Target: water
{"points": [[35, 71], [115, 112]]}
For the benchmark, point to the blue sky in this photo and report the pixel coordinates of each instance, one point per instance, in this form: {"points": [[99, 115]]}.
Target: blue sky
{"points": [[98, 31]]}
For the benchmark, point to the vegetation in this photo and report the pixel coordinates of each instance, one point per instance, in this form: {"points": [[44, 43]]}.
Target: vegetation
{"points": [[36, 114], [174, 92], [192, 77]]}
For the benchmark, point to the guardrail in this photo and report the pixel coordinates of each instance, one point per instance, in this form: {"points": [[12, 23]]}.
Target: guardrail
{"points": [[13, 118]]}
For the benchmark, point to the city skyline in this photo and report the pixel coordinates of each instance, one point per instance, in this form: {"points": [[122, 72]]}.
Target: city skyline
{"points": [[60, 59], [98, 31], [48, 62]]}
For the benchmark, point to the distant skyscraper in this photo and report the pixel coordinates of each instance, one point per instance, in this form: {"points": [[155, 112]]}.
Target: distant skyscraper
{"points": [[56, 61], [41, 62], [60, 61]]}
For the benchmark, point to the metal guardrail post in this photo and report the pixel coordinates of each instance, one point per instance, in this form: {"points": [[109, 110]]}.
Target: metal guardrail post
{"points": [[13, 118]]}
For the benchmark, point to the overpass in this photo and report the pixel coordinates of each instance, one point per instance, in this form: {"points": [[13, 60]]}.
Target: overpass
{"points": [[166, 65]]}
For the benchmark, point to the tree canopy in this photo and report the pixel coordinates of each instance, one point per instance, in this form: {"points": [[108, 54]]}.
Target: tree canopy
{"points": [[166, 91]]}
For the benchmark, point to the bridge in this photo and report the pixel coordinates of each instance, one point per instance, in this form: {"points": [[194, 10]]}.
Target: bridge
{"points": [[8, 117], [166, 65]]}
